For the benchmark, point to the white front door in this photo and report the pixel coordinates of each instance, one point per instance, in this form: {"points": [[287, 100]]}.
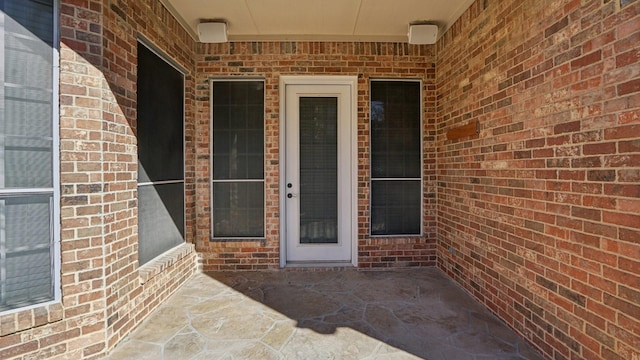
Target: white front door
{"points": [[319, 171]]}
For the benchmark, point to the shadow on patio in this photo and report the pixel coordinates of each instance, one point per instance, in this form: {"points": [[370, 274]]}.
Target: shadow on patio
{"points": [[396, 314]]}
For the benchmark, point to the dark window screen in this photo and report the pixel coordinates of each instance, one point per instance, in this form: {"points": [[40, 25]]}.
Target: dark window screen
{"points": [[395, 207], [395, 129], [160, 119], [160, 155], [238, 159], [395, 158], [160, 219], [238, 130]]}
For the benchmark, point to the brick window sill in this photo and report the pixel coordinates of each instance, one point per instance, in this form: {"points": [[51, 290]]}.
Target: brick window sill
{"points": [[164, 261], [38, 315]]}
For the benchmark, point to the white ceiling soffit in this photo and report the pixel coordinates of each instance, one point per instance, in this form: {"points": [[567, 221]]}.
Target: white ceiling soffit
{"points": [[318, 20]]}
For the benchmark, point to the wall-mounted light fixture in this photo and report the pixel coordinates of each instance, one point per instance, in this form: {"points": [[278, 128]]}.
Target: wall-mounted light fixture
{"points": [[212, 32], [422, 34]]}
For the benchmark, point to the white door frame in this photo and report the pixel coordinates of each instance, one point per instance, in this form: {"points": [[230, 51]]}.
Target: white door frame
{"points": [[351, 81]]}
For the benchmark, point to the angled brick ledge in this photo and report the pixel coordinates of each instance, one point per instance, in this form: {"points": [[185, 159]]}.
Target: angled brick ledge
{"points": [[164, 261]]}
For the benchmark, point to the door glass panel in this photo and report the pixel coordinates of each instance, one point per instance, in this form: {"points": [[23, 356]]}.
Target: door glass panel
{"points": [[318, 170]]}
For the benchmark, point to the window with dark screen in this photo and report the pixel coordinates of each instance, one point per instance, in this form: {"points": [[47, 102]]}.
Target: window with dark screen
{"points": [[396, 182], [160, 133], [237, 158]]}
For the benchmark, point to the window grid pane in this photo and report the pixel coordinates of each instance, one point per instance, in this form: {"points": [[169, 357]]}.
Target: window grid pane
{"points": [[395, 158], [395, 207], [395, 129], [238, 130], [238, 209], [160, 219], [237, 159], [26, 262]]}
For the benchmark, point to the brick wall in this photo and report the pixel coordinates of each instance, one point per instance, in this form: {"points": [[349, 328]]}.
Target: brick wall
{"points": [[538, 214], [270, 60], [123, 20], [104, 293]]}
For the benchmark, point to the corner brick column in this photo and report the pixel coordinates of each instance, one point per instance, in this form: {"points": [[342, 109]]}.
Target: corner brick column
{"points": [[86, 193]]}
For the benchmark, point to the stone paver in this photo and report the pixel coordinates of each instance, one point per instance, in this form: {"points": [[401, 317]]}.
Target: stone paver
{"points": [[395, 314]]}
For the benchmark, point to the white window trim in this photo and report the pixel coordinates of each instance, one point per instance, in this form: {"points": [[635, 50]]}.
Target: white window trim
{"points": [[56, 263]]}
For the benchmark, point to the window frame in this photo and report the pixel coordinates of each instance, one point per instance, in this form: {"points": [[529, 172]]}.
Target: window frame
{"points": [[150, 46], [54, 191], [421, 147], [212, 181]]}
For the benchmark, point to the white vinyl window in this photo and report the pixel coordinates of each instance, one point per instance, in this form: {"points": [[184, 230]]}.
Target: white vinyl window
{"points": [[237, 158], [29, 244], [396, 158]]}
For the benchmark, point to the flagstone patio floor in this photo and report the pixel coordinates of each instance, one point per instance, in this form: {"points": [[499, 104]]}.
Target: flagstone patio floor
{"points": [[392, 314]]}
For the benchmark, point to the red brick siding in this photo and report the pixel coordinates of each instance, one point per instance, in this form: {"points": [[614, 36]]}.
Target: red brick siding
{"points": [[102, 294], [538, 214], [123, 20], [270, 60]]}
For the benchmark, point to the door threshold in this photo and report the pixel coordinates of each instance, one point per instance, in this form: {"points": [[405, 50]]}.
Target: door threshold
{"points": [[319, 264]]}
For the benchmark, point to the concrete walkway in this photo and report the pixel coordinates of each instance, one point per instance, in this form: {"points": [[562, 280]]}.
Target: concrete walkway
{"points": [[398, 314]]}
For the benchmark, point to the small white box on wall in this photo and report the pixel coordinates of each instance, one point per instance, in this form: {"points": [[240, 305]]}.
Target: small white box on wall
{"points": [[212, 32], [423, 34]]}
